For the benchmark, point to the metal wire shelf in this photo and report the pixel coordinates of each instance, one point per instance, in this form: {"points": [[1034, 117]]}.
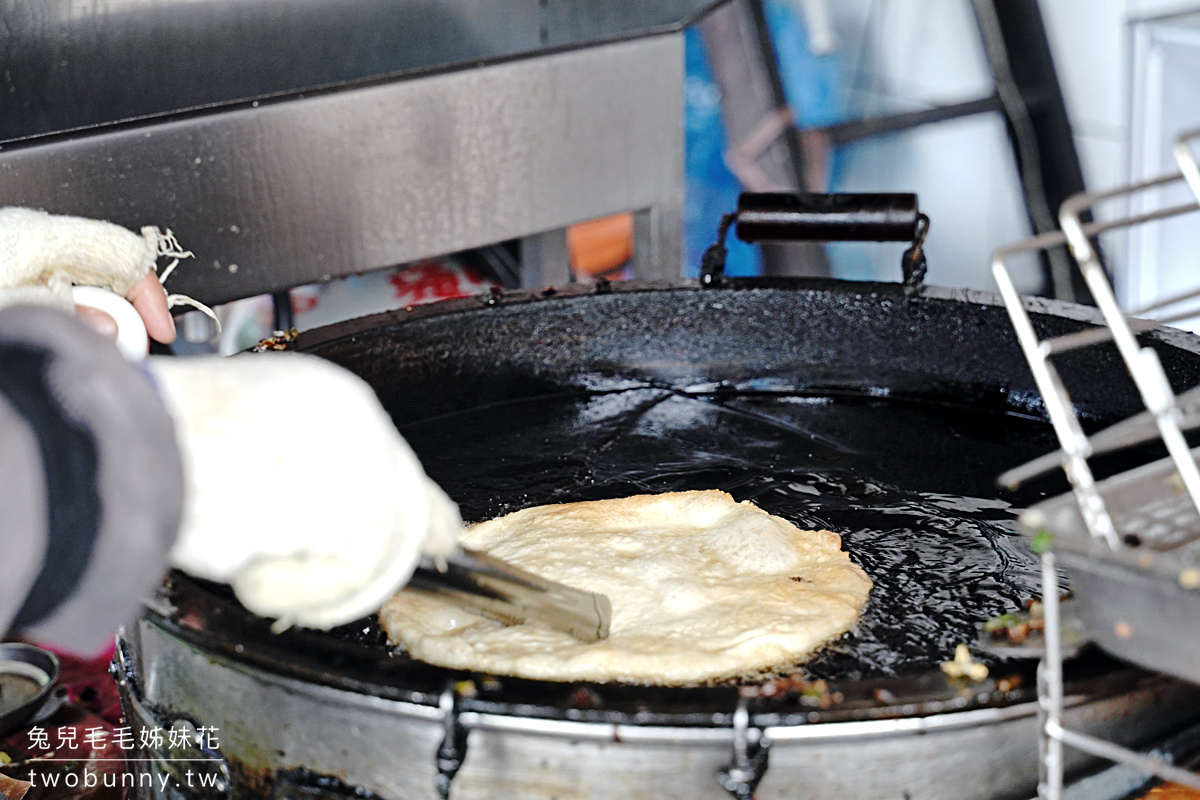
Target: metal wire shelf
{"points": [[1165, 418]]}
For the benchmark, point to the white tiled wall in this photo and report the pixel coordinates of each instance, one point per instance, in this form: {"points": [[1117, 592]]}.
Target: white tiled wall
{"points": [[1090, 46], [1164, 258]]}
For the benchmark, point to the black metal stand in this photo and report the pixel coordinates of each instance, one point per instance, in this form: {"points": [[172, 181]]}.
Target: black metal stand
{"points": [[1014, 39]]}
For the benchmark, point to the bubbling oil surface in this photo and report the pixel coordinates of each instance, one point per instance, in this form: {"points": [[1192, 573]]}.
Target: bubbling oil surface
{"points": [[909, 487]]}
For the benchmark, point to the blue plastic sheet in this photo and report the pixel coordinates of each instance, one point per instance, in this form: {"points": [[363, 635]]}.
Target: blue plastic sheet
{"points": [[814, 87]]}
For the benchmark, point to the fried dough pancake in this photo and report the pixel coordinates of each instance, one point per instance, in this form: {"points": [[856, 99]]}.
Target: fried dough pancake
{"points": [[702, 588]]}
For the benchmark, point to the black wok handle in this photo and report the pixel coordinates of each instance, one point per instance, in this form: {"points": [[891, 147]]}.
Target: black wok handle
{"points": [[812, 217]]}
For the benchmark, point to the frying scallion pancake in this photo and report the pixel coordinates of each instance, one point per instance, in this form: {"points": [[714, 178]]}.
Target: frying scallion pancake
{"points": [[702, 588]]}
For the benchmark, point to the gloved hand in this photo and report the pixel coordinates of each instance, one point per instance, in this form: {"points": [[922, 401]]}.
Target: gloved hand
{"points": [[43, 255], [300, 492]]}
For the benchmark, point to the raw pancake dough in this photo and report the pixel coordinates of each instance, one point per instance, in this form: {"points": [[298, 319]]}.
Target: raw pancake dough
{"points": [[702, 588]]}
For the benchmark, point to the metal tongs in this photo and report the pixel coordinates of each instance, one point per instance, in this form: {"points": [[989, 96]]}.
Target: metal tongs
{"points": [[510, 595]]}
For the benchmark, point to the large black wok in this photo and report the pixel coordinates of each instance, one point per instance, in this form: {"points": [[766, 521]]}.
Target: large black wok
{"points": [[855, 407], [882, 412], [866, 409]]}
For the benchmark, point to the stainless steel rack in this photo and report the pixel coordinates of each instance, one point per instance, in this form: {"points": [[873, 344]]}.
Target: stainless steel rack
{"points": [[1131, 542]]}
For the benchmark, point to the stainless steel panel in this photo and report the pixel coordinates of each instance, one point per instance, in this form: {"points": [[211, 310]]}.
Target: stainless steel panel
{"points": [[279, 194], [546, 259], [69, 64]]}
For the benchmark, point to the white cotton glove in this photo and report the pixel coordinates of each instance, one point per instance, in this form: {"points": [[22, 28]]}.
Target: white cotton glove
{"points": [[301, 494], [42, 255], [87, 266]]}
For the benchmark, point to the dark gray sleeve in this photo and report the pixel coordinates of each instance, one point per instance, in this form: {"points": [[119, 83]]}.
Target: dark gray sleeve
{"points": [[22, 511], [101, 497]]}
